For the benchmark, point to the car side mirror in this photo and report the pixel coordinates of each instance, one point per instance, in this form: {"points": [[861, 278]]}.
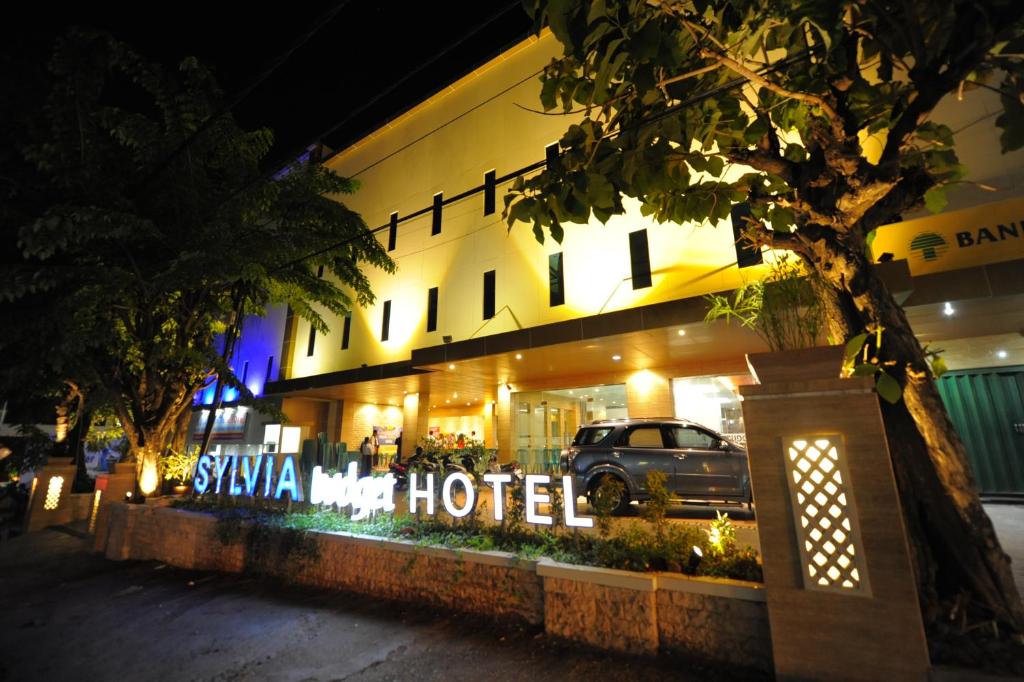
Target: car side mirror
{"points": [[724, 446]]}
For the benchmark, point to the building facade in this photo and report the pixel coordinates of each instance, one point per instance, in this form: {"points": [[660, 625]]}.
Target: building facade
{"points": [[485, 331]]}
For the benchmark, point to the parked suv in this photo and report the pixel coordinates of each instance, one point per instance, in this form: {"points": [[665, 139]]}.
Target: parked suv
{"points": [[698, 463]]}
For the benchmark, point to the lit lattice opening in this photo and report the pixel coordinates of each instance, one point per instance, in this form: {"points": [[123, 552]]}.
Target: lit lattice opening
{"points": [[95, 510], [53, 493], [826, 531]]}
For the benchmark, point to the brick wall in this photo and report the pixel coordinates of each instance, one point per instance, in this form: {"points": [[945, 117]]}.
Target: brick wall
{"points": [[636, 613]]}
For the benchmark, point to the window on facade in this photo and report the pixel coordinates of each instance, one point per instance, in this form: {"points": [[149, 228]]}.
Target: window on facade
{"points": [[489, 294], [556, 279], [245, 371], [640, 259], [346, 331], [320, 272], [393, 232], [551, 154], [489, 192], [385, 327], [746, 253], [435, 227], [311, 343], [270, 368], [432, 309]]}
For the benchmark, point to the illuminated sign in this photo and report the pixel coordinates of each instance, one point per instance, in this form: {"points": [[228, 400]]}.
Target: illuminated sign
{"points": [[248, 476], [990, 233], [256, 475]]}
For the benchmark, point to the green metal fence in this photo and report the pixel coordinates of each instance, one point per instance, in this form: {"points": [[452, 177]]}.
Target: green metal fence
{"points": [[987, 409]]}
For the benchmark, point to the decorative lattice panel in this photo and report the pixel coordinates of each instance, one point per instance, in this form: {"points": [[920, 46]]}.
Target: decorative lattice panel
{"points": [[95, 510], [53, 493], [826, 524]]}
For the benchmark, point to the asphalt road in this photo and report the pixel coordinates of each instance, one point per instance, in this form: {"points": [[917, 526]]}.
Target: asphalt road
{"points": [[70, 615]]}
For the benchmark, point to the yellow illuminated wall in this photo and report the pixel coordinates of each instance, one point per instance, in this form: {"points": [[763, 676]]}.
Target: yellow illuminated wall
{"points": [[447, 144]]}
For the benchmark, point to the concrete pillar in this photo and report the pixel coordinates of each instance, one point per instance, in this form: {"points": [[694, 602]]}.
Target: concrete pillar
{"points": [[841, 597], [415, 417], [490, 425], [649, 394], [50, 501], [504, 426]]}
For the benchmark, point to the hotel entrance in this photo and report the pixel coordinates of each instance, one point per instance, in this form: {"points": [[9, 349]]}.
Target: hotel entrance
{"points": [[546, 421]]}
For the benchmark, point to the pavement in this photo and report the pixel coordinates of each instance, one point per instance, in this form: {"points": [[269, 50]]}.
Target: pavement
{"points": [[70, 615]]}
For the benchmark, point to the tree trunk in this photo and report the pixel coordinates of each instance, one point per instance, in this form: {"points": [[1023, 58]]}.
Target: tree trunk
{"points": [[953, 544]]}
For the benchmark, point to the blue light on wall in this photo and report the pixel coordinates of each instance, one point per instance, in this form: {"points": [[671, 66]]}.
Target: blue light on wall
{"points": [[259, 345]]}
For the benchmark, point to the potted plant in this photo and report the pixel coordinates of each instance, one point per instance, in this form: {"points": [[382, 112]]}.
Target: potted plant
{"points": [[785, 310]]}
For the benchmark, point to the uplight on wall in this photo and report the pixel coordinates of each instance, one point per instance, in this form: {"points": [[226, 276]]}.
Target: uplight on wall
{"points": [[826, 523], [95, 510]]}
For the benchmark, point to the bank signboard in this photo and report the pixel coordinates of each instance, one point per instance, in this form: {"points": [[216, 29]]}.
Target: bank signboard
{"points": [[990, 233]]}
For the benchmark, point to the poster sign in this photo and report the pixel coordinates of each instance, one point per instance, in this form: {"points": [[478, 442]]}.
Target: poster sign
{"points": [[229, 424], [387, 439]]}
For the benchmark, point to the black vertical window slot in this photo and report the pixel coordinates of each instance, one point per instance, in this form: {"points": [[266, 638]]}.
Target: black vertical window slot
{"points": [[551, 154], [393, 232], [489, 294], [311, 344], [245, 371], [346, 331], [320, 272], [270, 370], [640, 259], [489, 192], [556, 279], [385, 327], [432, 309], [746, 253], [435, 227]]}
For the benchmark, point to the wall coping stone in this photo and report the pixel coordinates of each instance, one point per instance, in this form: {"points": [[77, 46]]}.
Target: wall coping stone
{"points": [[712, 587], [488, 558], [608, 577]]}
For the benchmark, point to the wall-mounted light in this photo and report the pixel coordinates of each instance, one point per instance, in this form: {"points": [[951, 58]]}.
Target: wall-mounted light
{"points": [[948, 309], [616, 358], [1001, 354], [447, 338]]}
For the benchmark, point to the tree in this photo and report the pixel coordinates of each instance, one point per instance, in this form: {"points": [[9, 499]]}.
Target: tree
{"points": [[146, 231], [692, 106]]}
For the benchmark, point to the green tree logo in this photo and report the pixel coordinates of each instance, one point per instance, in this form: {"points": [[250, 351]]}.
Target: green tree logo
{"points": [[929, 245]]}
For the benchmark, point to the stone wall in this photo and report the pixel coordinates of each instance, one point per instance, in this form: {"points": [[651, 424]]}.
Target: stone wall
{"points": [[635, 613]]}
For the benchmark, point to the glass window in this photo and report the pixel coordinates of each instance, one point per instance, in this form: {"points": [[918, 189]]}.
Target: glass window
{"points": [[645, 437], [685, 437], [640, 259], [590, 436], [432, 309], [489, 191], [556, 279], [435, 223], [713, 402], [346, 331], [311, 342], [393, 232], [385, 327], [489, 294]]}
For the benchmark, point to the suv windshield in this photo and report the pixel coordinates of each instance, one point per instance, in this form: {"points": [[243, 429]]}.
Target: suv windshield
{"points": [[591, 435]]}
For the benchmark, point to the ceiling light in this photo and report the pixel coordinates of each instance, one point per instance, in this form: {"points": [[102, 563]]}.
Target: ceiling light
{"points": [[948, 309], [681, 332], [519, 356], [616, 358], [467, 404], [447, 401], [1001, 354], [451, 366], [455, 395]]}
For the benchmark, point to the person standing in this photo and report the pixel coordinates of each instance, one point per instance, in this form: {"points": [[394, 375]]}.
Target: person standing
{"points": [[366, 455], [375, 443]]}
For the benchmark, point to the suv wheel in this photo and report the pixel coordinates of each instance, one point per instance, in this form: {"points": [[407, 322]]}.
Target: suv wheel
{"points": [[621, 506]]}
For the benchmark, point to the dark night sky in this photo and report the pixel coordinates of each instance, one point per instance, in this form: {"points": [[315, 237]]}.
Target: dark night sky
{"points": [[357, 55]]}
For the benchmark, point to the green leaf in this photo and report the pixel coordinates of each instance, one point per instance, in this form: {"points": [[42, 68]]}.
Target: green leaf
{"points": [[935, 198], [888, 388], [853, 346], [865, 369]]}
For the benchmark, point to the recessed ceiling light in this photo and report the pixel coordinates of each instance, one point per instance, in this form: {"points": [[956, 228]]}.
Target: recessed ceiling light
{"points": [[455, 395], [616, 358], [519, 356], [467, 404], [1001, 354], [948, 309], [447, 401], [681, 332], [451, 366]]}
